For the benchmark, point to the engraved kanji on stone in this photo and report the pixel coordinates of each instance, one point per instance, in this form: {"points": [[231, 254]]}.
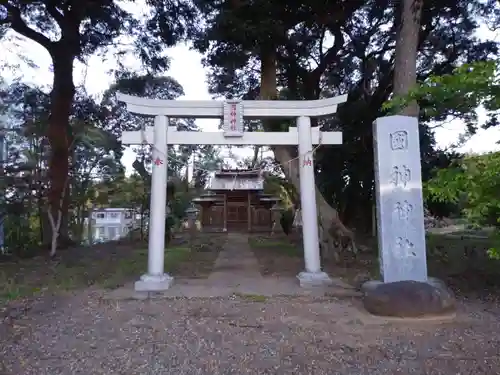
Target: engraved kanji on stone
{"points": [[404, 248], [399, 140], [400, 175], [403, 209]]}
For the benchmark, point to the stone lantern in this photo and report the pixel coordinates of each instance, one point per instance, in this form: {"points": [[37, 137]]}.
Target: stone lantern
{"points": [[192, 214]]}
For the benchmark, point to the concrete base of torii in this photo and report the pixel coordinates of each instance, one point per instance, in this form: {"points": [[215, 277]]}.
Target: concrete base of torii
{"points": [[311, 279], [151, 283]]}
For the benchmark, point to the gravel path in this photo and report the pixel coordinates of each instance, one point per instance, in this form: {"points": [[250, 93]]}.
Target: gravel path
{"points": [[83, 334]]}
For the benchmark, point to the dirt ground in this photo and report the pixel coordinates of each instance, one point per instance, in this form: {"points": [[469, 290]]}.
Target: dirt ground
{"points": [[77, 331], [82, 334]]}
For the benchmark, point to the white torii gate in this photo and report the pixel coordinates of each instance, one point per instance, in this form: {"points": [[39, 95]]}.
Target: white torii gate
{"points": [[233, 112]]}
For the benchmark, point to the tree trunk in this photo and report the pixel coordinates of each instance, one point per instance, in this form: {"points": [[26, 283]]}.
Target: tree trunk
{"points": [[331, 229], [405, 65], [60, 138], [78, 226]]}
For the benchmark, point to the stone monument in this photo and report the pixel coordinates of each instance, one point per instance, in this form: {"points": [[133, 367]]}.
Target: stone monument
{"points": [[405, 289], [400, 209]]}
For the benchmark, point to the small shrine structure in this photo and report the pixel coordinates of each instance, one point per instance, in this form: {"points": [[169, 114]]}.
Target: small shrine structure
{"points": [[235, 201]]}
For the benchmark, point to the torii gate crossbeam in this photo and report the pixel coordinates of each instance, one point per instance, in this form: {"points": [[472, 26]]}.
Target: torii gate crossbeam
{"points": [[217, 138]]}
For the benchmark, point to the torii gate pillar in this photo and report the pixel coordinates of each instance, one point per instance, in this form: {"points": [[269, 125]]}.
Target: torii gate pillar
{"points": [[313, 275], [233, 112], [156, 279]]}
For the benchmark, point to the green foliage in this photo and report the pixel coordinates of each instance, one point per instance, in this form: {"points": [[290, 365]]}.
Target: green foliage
{"points": [[81, 28], [459, 93], [236, 37], [286, 221], [94, 152], [96, 175], [76, 30], [32, 277], [273, 245], [18, 241], [439, 160], [477, 178], [474, 182], [281, 188]]}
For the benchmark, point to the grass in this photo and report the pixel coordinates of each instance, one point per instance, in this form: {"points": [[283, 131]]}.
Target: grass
{"points": [[275, 245], [458, 258], [128, 268], [276, 256], [26, 278], [452, 255]]}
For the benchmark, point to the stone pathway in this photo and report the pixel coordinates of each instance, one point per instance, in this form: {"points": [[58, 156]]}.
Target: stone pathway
{"points": [[236, 272], [236, 262]]}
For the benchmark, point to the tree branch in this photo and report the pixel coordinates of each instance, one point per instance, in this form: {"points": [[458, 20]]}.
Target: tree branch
{"points": [[19, 25], [255, 158], [330, 55], [54, 12]]}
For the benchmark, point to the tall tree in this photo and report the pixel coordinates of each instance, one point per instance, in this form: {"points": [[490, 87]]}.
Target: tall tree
{"points": [[278, 35], [405, 61], [297, 50], [76, 29], [94, 152], [155, 87]]}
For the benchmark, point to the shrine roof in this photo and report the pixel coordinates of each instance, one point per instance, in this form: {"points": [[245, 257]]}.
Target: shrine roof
{"points": [[208, 199], [237, 173], [213, 197], [234, 179]]}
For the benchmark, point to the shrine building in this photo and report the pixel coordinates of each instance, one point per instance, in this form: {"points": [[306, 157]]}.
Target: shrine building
{"points": [[235, 201]]}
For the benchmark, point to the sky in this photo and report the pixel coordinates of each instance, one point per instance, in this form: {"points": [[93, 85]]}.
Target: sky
{"points": [[187, 69]]}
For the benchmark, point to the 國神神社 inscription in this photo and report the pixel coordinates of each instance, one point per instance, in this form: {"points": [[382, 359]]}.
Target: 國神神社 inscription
{"points": [[399, 140], [400, 176], [403, 210], [398, 185], [233, 118]]}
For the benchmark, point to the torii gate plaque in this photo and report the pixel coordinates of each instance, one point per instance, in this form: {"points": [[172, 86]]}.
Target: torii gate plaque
{"points": [[233, 113]]}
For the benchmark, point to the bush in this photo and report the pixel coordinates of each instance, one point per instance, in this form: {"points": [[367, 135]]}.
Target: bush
{"points": [[286, 221], [474, 182]]}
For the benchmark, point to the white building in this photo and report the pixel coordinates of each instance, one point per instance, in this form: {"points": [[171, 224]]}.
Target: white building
{"points": [[110, 224]]}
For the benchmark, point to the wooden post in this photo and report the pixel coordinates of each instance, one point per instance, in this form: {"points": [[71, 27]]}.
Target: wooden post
{"points": [[225, 213], [192, 231], [202, 217], [90, 226], [374, 220], [249, 213]]}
